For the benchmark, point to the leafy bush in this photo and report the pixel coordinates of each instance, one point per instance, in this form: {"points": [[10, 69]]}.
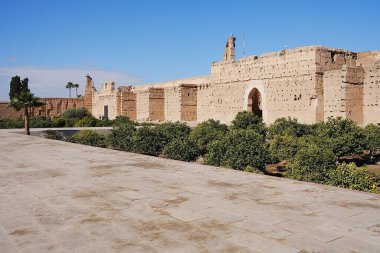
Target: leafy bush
{"points": [[215, 153], [372, 136], [352, 177], [149, 141], [86, 122], [311, 163], [122, 120], [121, 137], [7, 123], [53, 134], [181, 149], [206, 132], [248, 120], [288, 126], [237, 150], [103, 123], [41, 122], [343, 135], [173, 131], [59, 122], [284, 147], [76, 113], [89, 137]]}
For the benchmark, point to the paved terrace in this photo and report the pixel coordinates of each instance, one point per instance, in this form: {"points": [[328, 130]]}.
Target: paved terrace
{"points": [[63, 197]]}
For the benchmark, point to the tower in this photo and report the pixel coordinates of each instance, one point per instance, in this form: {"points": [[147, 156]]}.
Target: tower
{"points": [[229, 51], [88, 93]]}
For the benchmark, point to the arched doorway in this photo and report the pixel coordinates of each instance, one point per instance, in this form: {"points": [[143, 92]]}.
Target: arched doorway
{"points": [[255, 102]]}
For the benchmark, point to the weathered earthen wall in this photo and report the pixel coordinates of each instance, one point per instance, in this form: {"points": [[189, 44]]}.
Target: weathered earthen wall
{"points": [[142, 105], [371, 95], [156, 104], [126, 103], [188, 102], [344, 93], [53, 107], [106, 97], [172, 104]]}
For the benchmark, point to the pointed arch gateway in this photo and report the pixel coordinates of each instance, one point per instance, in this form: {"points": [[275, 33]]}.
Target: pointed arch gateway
{"points": [[255, 99]]}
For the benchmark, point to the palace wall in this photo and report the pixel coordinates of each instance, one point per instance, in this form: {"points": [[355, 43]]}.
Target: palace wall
{"points": [[371, 95], [53, 107], [106, 97]]}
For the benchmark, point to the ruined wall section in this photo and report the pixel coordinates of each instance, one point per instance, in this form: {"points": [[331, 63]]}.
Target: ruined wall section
{"points": [[371, 95], [289, 80], [156, 104], [107, 96], [127, 102], [142, 105], [52, 108], [188, 102], [368, 59], [8, 112], [173, 104], [344, 93], [89, 93]]}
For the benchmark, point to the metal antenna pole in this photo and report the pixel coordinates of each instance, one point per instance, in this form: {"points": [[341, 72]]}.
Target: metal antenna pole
{"points": [[244, 44]]}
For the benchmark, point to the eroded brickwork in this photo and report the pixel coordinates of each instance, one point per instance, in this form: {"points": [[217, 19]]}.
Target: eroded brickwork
{"points": [[52, 108], [156, 104], [308, 83]]}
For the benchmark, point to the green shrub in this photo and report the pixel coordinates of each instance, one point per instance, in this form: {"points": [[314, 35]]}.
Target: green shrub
{"points": [[59, 122], [352, 177], [248, 120], [89, 137], [206, 132], [181, 149], [122, 120], [121, 137], [103, 123], [237, 150], [288, 126], [215, 153], [53, 134], [7, 123], [76, 113], [41, 122], [284, 147], [86, 122], [173, 131], [372, 136], [343, 135], [149, 141], [311, 163]]}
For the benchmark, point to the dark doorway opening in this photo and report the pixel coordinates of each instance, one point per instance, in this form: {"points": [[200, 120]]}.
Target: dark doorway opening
{"points": [[254, 102], [105, 114]]}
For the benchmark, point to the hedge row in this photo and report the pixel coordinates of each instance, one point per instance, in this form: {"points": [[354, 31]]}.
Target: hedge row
{"points": [[312, 152]]}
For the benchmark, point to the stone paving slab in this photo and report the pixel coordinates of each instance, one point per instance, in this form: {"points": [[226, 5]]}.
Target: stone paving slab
{"points": [[64, 197]]}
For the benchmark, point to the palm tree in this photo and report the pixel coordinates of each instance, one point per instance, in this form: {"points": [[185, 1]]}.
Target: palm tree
{"points": [[26, 101], [76, 86], [69, 86]]}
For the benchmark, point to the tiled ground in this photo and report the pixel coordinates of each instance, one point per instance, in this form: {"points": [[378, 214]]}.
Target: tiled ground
{"points": [[63, 197]]}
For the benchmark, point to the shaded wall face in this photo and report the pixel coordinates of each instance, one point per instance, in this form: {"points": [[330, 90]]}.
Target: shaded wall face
{"points": [[343, 95], [189, 103], [127, 105], [156, 104]]}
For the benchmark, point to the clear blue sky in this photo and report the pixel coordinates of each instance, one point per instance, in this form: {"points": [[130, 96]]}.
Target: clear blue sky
{"points": [[53, 42]]}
